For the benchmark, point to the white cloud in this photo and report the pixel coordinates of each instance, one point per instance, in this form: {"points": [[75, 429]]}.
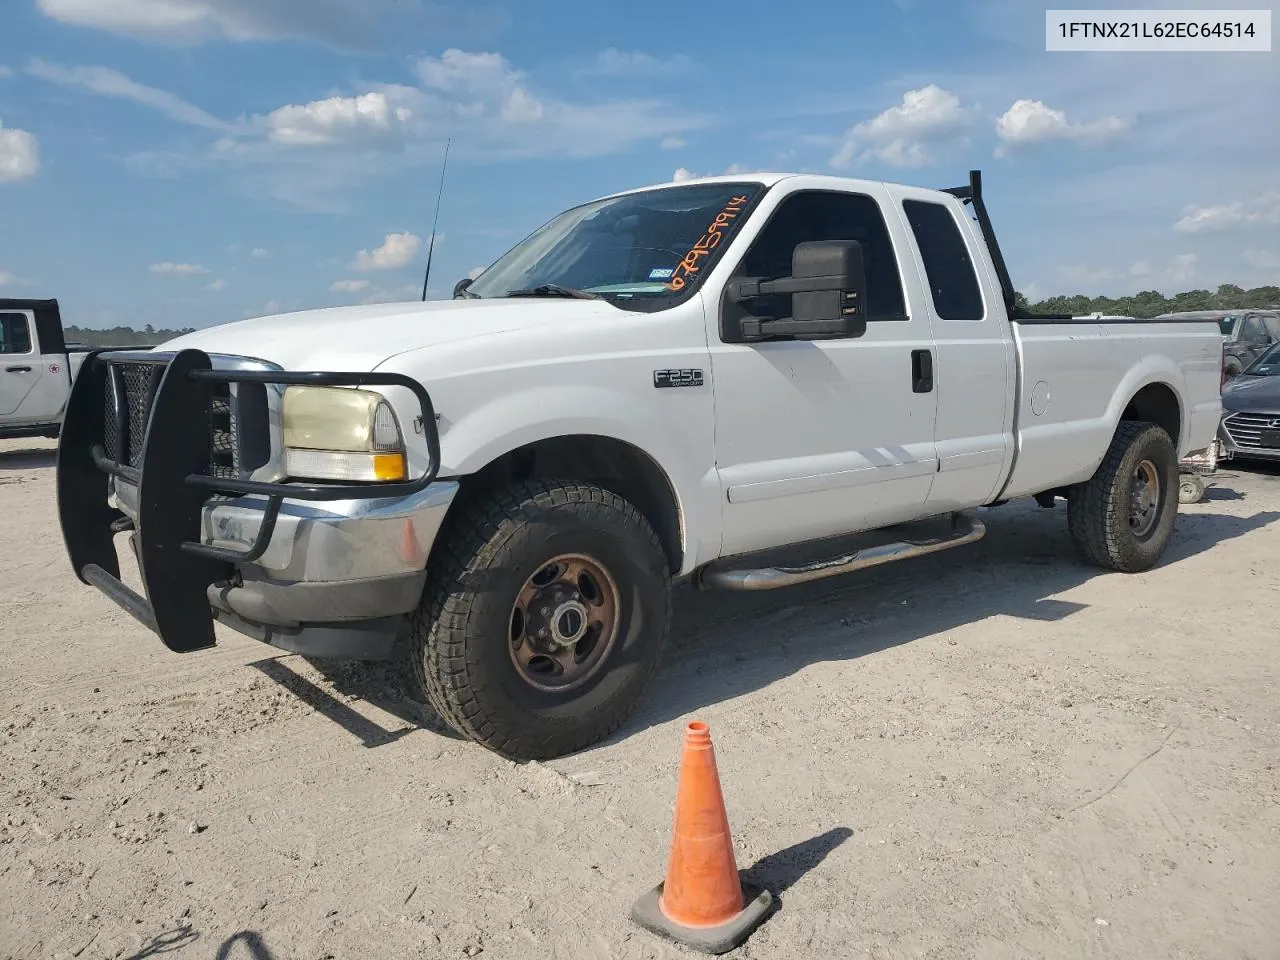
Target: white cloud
{"points": [[522, 107], [218, 285], [310, 153], [901, 136], [1031, 121], [191, 21], [19, 154], [5, 71], [671, 143], [397, 250], [111, 83], [1183, 268], [490, 108], [1079, 273], [8, 279], [1083, 278], [1264, 209], [258, 253], [348, 286], [179, 269], [1263, 260], [475, 272], [337, 120], [408, 291], [484, 83], [615, 62], [733, 170]]}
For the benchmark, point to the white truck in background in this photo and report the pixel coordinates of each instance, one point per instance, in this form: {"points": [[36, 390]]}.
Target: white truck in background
{"points": [[669, 383], [36, 368]]}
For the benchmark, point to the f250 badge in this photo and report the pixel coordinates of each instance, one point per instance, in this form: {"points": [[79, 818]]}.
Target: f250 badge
{"points": [[677, 378]]}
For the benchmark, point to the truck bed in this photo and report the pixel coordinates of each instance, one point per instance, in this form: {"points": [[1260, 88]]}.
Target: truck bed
{"points": [[1064, 423]]}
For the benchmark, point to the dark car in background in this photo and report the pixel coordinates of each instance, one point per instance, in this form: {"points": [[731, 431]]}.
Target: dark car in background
{"points": [[1246, 334], [1250, 427]]}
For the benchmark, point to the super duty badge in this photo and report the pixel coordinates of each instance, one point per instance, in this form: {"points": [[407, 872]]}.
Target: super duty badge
{"points": [[677, 378]]}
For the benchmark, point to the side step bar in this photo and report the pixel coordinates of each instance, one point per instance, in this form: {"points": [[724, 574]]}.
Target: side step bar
{"points": [[965, 528]]}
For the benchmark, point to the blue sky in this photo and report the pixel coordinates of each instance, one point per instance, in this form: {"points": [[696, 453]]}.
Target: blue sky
{"points": [[189, 162]]}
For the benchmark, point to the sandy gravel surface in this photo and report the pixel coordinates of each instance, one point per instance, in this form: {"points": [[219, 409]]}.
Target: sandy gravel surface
{"points": [[995, 752]]}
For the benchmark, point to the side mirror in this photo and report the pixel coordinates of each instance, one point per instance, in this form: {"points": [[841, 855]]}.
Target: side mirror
{"points": [[461, 286], [828, 288], [817, 266]]}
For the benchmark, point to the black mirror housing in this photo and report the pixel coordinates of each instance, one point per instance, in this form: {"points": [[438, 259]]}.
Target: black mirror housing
{"points": [[828, 288], [840, 287], [460, 287]]}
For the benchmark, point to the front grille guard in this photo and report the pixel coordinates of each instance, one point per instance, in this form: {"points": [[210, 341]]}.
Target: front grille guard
{"points": [[174, 483]]}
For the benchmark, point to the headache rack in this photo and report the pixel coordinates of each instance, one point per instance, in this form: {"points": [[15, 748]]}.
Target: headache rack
{"points": [[971, 194], [165, 423]]}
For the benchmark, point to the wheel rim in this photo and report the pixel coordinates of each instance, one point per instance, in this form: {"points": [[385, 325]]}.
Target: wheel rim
{"points": [[1144, 499], [564, 623]]}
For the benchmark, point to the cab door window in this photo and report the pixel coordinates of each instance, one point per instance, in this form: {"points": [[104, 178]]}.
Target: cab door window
{"points": [[15, 333], [826, 215]]}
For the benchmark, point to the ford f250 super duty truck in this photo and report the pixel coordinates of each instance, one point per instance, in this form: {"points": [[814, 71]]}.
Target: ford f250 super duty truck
{"points": [[664, 384]]}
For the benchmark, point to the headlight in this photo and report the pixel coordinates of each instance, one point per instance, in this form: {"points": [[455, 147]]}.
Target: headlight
{"points": [[335, 433]]}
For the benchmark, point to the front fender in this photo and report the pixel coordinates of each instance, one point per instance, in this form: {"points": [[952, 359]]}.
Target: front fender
{"points": [[680, 442]]}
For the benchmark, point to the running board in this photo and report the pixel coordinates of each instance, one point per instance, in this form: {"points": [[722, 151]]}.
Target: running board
{"points": [[964, 529]]}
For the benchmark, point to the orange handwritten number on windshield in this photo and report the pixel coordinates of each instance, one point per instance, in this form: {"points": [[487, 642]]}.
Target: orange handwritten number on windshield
{"points": [[706, 243]]}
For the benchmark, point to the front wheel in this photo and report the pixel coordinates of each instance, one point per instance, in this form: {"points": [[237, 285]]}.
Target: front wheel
{"points": [[1122, 517], [544, 618]]}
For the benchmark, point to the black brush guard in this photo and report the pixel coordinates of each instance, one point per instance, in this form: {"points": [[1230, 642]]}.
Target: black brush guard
{"points": [[174, 484]]}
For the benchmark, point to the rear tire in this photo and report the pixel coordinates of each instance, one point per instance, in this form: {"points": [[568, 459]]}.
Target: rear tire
{"points": [[1122, 517], [545, 613]]}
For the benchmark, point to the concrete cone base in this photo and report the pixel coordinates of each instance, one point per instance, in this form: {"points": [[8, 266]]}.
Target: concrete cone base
{"points": [[714, 940]]}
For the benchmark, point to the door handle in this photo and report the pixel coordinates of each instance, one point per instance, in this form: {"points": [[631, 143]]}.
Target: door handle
{"points": [[17, 369], [921, 371]]}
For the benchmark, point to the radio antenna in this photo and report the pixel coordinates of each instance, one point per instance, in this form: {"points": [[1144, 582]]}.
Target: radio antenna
{"points": [[439, 196]]}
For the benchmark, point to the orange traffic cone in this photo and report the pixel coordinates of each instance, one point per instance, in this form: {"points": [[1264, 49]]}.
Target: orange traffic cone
{"points": [[703, 902]]}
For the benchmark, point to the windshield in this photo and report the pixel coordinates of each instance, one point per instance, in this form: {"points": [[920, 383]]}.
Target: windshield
{"points": [[1267, 365], [1227, 324], [639, 250]]}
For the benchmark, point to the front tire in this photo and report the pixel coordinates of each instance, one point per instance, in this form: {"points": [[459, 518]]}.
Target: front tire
{"points": [[1122, 517], [544, 617]]}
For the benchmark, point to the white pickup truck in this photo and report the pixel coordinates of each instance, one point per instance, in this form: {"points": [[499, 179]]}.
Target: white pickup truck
{"points": [[668, 383], [36, 368]]}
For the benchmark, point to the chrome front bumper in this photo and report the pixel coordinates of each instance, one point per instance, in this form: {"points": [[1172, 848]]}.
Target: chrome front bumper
{"points": [[344, 561]]}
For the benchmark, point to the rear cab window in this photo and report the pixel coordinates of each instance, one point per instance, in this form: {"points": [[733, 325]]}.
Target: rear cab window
{"points": [[953, 282], [15, 334]]}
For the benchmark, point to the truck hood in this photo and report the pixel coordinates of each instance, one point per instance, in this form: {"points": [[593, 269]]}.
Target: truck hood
{"points": [[1252, 395], [357, 339]]}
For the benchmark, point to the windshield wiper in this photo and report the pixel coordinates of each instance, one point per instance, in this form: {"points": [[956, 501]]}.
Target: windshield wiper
{"points": [[554, 290]]}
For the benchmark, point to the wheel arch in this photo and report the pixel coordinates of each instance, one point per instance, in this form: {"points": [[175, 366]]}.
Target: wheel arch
{"points": [[616, 465], [1157, 402]]}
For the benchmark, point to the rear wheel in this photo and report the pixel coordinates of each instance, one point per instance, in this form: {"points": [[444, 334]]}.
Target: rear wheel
{"points": [[1122, 518], [544, 618]]}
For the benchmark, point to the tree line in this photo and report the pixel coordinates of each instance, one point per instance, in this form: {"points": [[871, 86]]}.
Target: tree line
{"points": [[148, 336], [1152, 303]]}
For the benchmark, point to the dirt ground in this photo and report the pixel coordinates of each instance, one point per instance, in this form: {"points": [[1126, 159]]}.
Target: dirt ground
{"points": [[995, 752]]}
